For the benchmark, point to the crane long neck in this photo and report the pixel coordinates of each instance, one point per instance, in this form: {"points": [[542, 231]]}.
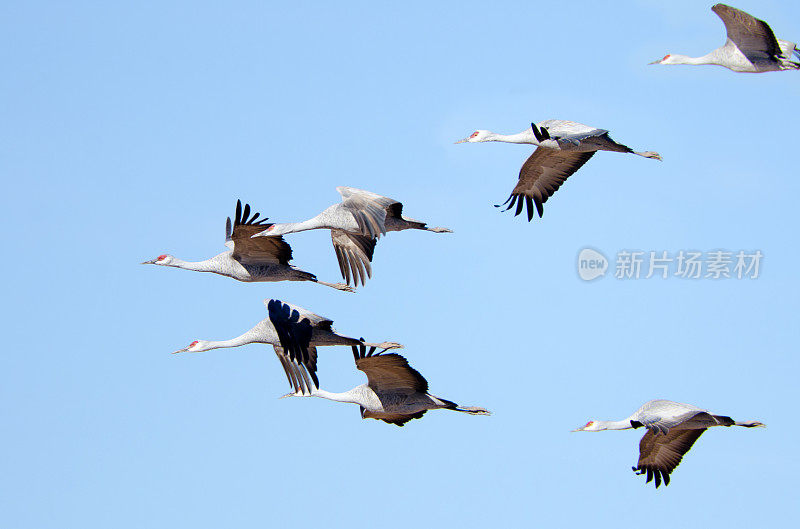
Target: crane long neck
{"points": [[624, 424], [353, 396], [199, 266], [314, 223], [526, 136], [251, 336], [709, 58]]}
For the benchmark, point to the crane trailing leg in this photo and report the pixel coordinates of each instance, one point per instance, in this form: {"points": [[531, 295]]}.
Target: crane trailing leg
{"points": [[449, 405], [301, 275]]}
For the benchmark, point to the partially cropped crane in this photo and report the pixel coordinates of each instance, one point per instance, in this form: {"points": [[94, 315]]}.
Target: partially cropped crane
{"points": [[249, 259], [562, 148], [394, 393], [295, 333], [356, 223], [672, 429], [751, 46]]}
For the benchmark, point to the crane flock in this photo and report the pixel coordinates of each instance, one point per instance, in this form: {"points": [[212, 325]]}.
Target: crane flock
{"points": [[395, 392], [672, 428]]}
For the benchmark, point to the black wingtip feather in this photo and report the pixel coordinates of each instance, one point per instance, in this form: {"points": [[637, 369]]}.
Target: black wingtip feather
{"points": [[293, 332], [504, 203], [314, 378], [241, 217], [520, 203], [512, 203], [536, 132]]}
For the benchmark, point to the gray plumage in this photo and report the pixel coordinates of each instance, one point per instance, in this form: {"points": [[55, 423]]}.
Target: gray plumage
{"points": [[294, 333], [394, 393], [563, 147], [356, 224], [264, 259], [750, 47], [672, 429]]}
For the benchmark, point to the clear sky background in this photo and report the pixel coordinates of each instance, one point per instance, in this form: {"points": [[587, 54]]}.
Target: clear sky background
{"points": [[128, 130]]}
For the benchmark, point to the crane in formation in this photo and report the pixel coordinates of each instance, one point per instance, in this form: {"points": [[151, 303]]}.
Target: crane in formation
{"points": [[672, 429], [249, 259], [562, 147], [356, 223], [751, 46], [394, 393], [294, 333]]}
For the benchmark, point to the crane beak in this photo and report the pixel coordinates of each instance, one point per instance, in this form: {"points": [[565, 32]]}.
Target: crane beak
{"points": [[151, 261], [658, 61], [462, 141], [577, 429], [181, 350]]}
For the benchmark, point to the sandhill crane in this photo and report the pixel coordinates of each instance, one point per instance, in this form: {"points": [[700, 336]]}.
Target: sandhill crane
{"points": [[355, 224], [562, 148], [295, 333], [394, 393], [672, 429], [249, 260], [751, 46]]}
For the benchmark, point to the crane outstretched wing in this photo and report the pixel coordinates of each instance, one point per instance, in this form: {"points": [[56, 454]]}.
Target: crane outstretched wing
{"points": [[297, 373], [659, 453], [258, 250], [294, 333], [747, 32], [541, 175], [368, 209], [388, 372], [354, 253]]}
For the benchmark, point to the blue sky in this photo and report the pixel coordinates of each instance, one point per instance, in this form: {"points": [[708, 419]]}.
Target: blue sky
{"points": [[129, 130]]}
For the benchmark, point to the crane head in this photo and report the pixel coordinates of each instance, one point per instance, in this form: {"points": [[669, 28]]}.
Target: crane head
{"points": [[196, 346], [666, 60], [591, 426], [475, 137], [272, 230], [163, 259]]}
